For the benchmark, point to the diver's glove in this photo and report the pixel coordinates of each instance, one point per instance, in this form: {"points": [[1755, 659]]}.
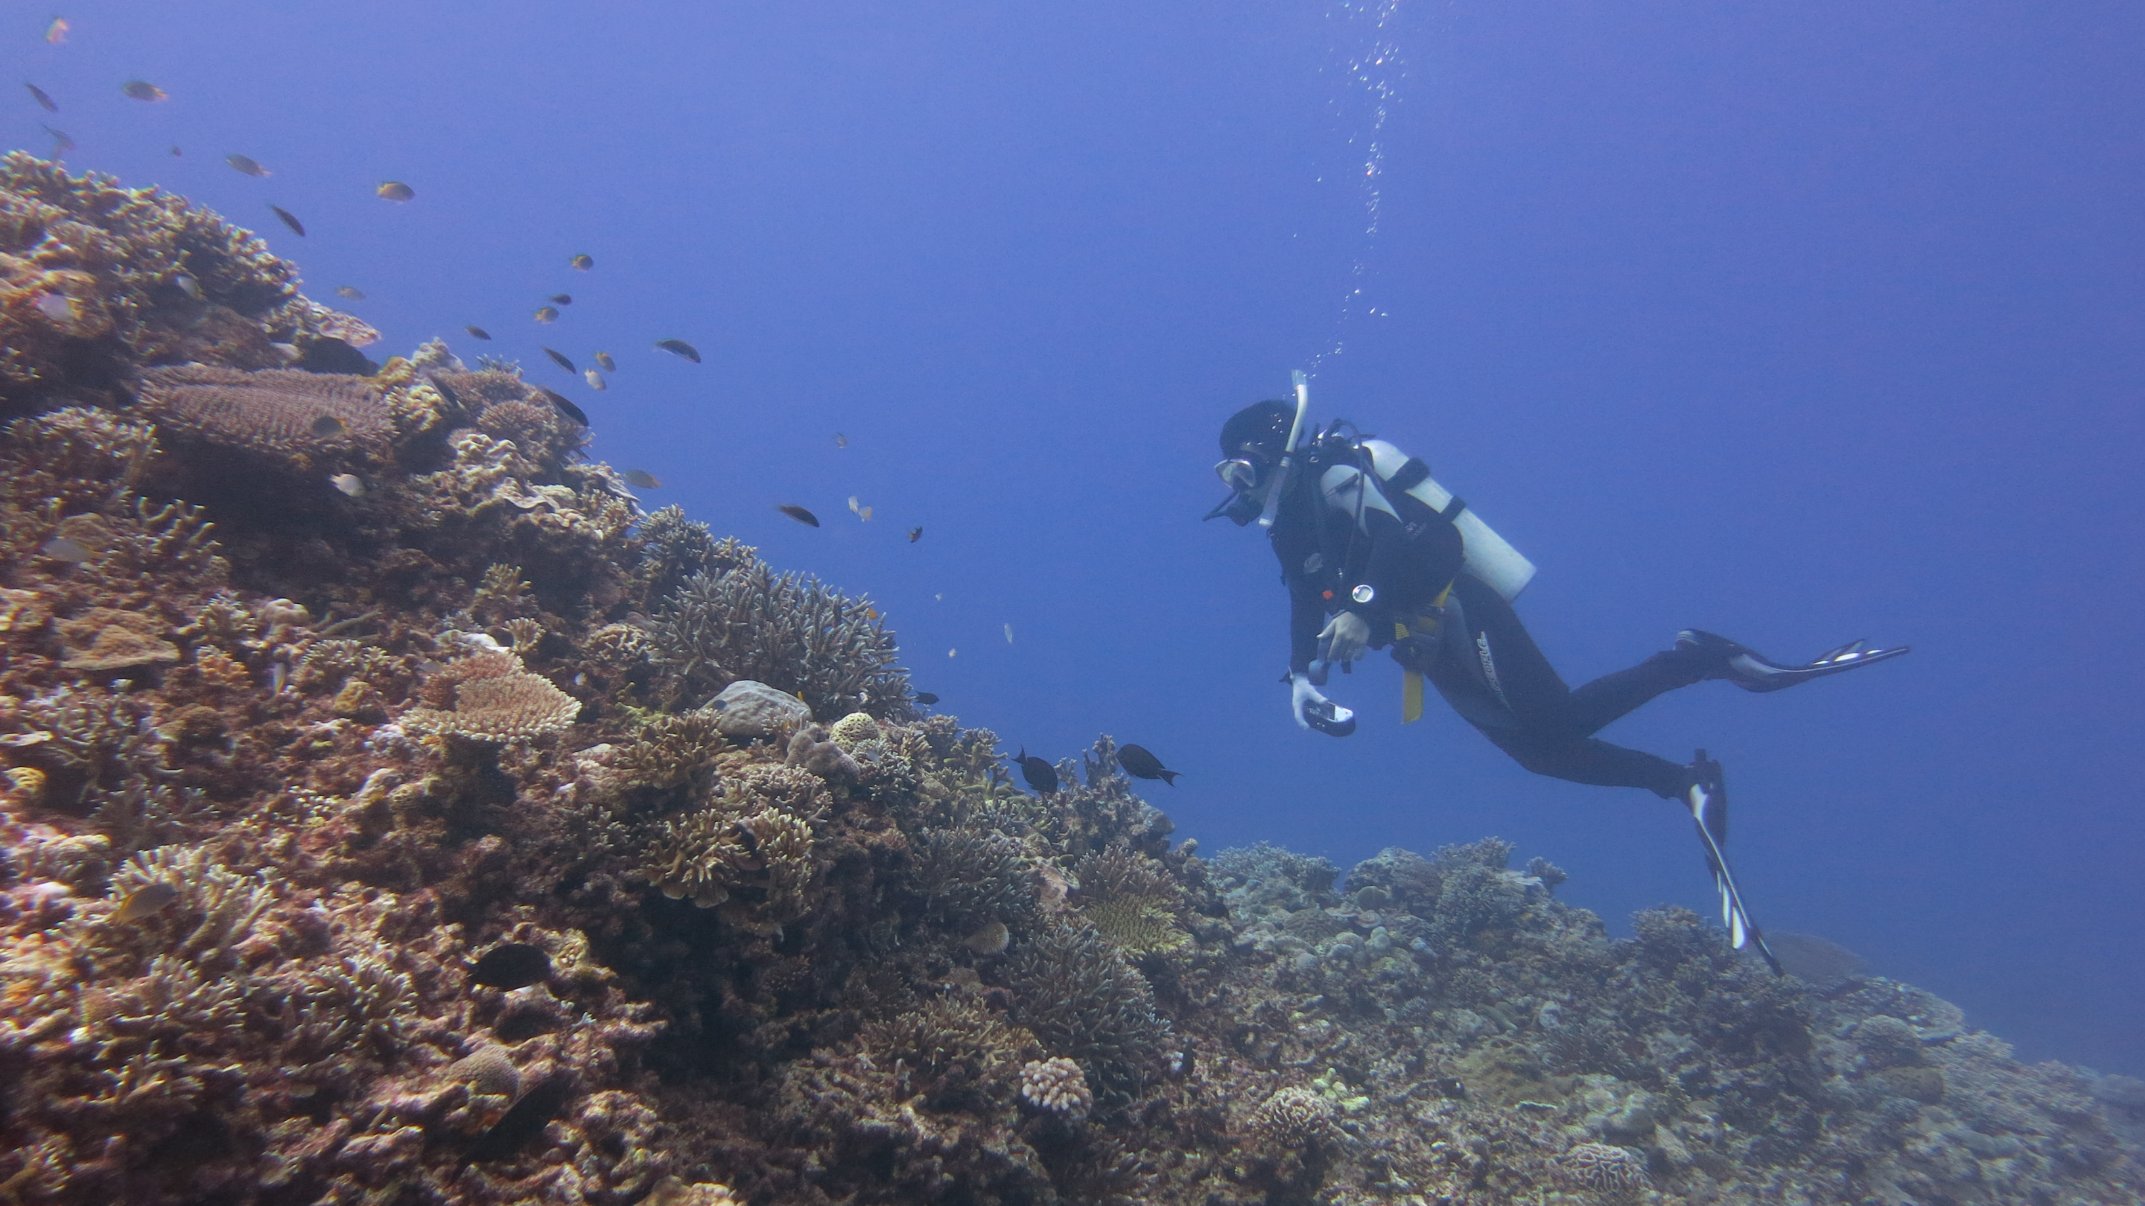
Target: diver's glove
{"points": [[1343, 639], [1314, 711]]}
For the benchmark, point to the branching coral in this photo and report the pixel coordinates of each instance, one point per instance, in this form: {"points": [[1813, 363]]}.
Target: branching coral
{"points": [[755, 843], [790, 631], [1057, 1086], [1077, 993], [972, 877], [1131, 900]]}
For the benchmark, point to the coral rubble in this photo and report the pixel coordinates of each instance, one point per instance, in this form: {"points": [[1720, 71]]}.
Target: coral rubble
{"points": [[474, 837]]}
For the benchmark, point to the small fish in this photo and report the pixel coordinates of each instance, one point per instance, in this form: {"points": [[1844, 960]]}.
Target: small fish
{"points": [[840, 440], [1141, 764], [176, 152], [678, 347], [594, 379], [547, 314], [394, 190], [1040, 775], [953, 653], [187, 285], [247, 164], [1009, 634], [561, 299], [641, 479], [478, 332], [584, 261], [915, 534], [43, 98], [290, 219], [57, 306], [65, 548], [559, 358], [565, 406], [328, 427], [62, 141], [56, 32], [144, 902], [350, 291], [511, 965], [926, 698], [348, 483], [143, 90], [604, 362], [799, 514]]}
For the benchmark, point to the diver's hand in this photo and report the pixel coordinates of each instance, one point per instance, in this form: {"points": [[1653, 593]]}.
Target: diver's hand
{"points": [[1314, 711], [1344, 638]]}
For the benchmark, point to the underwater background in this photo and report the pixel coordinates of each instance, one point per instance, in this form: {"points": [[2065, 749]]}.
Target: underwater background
{"points": [[1798, 325]]}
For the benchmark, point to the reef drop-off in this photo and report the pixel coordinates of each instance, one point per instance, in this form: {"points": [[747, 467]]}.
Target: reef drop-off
{"points": [[394, 812]]}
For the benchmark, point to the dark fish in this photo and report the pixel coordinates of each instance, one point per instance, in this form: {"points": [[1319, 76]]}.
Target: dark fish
{"points": [[511, 965], [290, 219], [43, 98], [395, 190], [143, 90], [565, 405], [926, 698], [176, 152], [547, 314], [478, 332], [144, 902], [1142, 765], [840, 440], [584, 261], [641, 479], [350, 291], [246, 164], [562, 299], [1040, 775], [559, 358], [604, 362], [915, 534], [799, 514], [62, 141], [679, 347], [328, 427]]}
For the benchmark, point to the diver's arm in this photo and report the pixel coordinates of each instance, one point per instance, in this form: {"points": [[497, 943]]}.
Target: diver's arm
{"points": [[1306, 615]]}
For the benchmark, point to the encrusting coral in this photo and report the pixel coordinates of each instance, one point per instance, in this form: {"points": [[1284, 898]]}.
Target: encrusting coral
{"points": [[312, 890]]}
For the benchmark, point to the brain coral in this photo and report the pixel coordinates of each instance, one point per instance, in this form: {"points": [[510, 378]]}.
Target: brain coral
{"points": [[280, 411]]}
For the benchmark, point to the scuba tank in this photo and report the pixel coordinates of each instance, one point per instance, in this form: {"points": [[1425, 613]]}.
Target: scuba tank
{"points": [[1490, 557]]}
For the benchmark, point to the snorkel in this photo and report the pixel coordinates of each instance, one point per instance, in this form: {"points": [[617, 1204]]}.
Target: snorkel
{"points": [[1288, 450]]}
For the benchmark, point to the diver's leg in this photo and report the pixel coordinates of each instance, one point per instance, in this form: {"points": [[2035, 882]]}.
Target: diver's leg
{"points": [[1595, 704], [1592, 761], [1495, 652]]}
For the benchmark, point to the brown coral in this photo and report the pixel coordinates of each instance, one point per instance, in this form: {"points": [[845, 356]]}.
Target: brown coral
{"points": [[496, 700], [278, 411], [1056, 1086], [108, 638]]}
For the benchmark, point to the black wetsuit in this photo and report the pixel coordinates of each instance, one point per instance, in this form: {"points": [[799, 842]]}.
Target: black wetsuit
{"points": [[1479, 657]]}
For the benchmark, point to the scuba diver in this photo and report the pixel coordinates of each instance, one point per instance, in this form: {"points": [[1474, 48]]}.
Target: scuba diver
{"points": [[1376, 554]]}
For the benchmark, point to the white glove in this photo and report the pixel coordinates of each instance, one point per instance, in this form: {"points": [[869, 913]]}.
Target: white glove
{"points": [[1303, 695], [1344, 638]]}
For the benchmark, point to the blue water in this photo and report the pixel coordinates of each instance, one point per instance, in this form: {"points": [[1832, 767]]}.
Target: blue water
{"points": [[1799, 323]]}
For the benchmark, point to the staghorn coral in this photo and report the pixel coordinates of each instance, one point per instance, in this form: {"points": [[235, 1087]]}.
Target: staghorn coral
{"points": [[973, 877], [496, 700], [278, 412], [790, 631], [1079, 996], [755, 842]]}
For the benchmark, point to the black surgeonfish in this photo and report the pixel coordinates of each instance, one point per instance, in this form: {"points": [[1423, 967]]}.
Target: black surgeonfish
{"points": [[1040, 775], [1141, 764]]}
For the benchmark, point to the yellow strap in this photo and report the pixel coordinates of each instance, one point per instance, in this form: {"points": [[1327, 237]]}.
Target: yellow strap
{"points": [[1411, 680]]}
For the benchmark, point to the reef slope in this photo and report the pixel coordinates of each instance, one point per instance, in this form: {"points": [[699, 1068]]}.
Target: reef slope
{"points": [[394, 812]]}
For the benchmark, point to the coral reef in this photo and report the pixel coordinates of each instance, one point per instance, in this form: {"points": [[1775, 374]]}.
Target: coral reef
{"points": [[379, 847]]}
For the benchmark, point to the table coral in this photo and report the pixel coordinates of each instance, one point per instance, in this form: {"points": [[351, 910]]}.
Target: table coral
{"points": [[496, 700]]}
